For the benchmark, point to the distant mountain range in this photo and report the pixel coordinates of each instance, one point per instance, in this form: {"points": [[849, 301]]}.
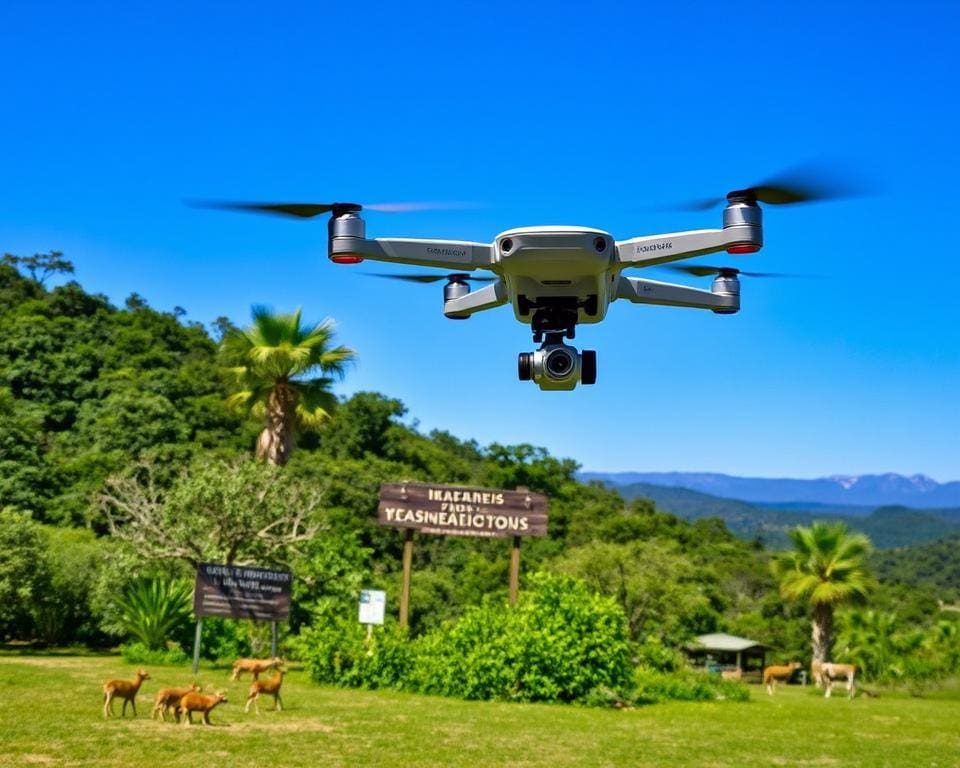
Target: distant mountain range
{"points": [[887, 526], [869, 491]]}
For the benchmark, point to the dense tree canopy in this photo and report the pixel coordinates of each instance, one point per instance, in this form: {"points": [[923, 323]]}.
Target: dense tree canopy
{"points": [[120, 459]]}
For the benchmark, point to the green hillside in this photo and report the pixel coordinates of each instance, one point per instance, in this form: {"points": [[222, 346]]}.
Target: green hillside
{"points": [[934, 566], [886, 526], [120, 461]]}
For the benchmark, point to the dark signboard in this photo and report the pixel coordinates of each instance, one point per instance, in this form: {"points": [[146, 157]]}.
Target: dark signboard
{"points": [[241, 592], [458, 511]]}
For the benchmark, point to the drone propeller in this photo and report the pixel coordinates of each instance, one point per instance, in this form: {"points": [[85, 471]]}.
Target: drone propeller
{"points": [[801, 184], [454, 277], [309, 210], [702, 270]]}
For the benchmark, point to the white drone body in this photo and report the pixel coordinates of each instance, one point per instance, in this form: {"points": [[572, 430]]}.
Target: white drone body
{"points": [[557, 277]]}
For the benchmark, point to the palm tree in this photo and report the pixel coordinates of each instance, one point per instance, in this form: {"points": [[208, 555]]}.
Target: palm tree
{"points": [[827, 567], [272, 363]]}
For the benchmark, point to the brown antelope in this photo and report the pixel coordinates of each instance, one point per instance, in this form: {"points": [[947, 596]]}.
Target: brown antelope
{"points": [[170, 697], [124, 689], [270, 687], [830, 672], [255, 666], [199, 702], [781, 674]]}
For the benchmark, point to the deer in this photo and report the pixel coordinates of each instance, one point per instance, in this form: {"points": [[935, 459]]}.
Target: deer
{"points": [[270, 687], [126, 690], [778, 674], [830, 672], [255, 666], [200, 702], [170, 697]]}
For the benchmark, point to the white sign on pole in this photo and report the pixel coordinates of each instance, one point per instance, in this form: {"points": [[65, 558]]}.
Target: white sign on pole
{"points": [[373, 604]]}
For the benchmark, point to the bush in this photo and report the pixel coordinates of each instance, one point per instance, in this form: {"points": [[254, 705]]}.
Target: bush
{"points": [[339, 653], [24, 578], [138, 653], [651, 686], [155, 610], [225, 639], [559, 644]]}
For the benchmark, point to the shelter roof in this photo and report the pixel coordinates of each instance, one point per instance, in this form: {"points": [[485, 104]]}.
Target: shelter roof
{"points": [[719, 641]]}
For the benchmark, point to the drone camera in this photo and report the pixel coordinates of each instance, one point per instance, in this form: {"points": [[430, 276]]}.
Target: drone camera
{"points": [[558, 367]]}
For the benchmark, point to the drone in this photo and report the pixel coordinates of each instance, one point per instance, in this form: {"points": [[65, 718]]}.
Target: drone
{"points": [[558, 277]]}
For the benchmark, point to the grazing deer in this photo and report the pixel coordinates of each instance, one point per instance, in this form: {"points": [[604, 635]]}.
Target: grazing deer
{"points": [[781, 674], [126, 690], [270, 687], [199, 702], [816, 673], [170, 697], [256, 666], [830, 672]]}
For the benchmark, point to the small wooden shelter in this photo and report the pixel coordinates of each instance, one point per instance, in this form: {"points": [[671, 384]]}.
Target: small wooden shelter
{"points": [[719, 652]]}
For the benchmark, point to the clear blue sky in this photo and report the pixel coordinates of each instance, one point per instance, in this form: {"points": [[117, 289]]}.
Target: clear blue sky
{"points": [[112, 113]]}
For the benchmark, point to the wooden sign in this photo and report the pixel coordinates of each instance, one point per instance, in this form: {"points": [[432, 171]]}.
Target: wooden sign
{"points": [[241, 592], [452, 510]]}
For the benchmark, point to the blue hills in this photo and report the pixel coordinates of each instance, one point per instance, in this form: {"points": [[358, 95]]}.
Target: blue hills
{"points": [[917, 491]]}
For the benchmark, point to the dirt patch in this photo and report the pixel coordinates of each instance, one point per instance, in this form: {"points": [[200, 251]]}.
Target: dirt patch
{"points": [[37, 759]]}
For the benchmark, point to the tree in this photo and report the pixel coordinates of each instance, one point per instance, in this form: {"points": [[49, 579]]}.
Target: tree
{"points": [[236, 513], [41, 265], [828, 568], [272, 363]]}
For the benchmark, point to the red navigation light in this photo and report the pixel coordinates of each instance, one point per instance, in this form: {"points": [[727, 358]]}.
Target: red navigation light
{"points": [[743, 248], [346, 258]]}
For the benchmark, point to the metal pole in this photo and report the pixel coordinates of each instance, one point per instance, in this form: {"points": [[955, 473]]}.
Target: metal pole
{"points": [[405, 589], [514, 571], [196, 646], [273, 639]]}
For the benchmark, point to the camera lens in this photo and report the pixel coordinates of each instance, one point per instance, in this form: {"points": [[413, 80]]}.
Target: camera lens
{"points": [[558, 363], [525, 366]]}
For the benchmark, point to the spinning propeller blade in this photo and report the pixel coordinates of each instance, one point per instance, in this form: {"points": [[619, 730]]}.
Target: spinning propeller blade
{"points": [[432, 278], [801, 184], [702, 270], [309, 210]]}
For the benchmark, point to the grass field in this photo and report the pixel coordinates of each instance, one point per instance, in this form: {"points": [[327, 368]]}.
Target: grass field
{"points": [[50, 714]]}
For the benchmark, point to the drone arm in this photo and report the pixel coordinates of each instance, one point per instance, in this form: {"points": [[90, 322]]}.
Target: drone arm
{"points": [[444, 254], [641, 291], [488, 297], [660, 249]]}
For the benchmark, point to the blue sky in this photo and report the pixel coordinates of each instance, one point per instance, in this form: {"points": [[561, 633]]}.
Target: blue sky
{"points": [[111, 114]]}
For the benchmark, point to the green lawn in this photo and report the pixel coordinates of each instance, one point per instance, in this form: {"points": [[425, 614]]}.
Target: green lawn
{"points": [[50, 714]]}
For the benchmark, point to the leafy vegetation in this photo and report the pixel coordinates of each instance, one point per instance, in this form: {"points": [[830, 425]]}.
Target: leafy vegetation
{"points": [[828, 568], [271, 363], [121, 462]]}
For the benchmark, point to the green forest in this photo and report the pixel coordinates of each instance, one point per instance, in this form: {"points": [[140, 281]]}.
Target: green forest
{"points": [[135, 444]]}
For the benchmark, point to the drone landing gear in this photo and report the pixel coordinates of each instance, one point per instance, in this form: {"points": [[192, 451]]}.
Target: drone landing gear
{"points": [[556, 365]]}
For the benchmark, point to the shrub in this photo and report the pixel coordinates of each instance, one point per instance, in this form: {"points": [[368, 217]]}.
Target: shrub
{"points": [[651, 686], [225, 639], [155, 610], [559, 644], [24, 573], [339, 653], [138, 653]]}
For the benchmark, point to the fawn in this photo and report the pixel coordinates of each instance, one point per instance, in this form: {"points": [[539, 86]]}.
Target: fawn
{"points": [[270, 687], [256, 666], [125, 689], [170, 697], [199, 702]]}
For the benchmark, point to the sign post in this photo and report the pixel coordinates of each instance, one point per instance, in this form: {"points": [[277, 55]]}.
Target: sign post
{"points": [[405, 584], [240, 592], [373, 604]]}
